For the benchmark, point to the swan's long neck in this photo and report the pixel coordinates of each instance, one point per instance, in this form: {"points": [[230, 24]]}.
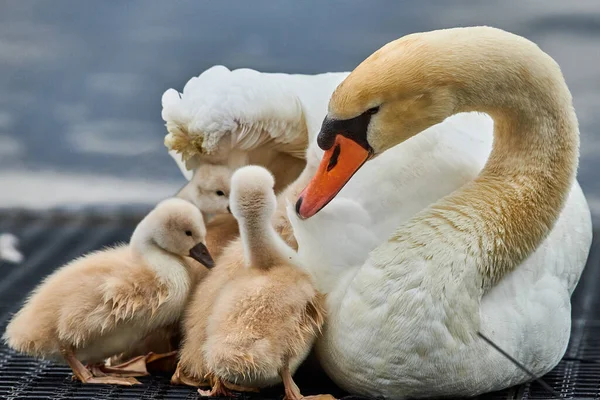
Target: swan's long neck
{"points": [[522, 189], [504, 214]]}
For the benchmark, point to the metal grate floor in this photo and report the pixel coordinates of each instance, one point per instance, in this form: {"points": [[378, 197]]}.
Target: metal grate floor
{"points": [[49, 240]]}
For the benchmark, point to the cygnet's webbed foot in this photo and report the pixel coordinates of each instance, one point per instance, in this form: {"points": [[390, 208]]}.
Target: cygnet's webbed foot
{"points": [[95, 369], [138, 366], [134, 367], [83, 374]]}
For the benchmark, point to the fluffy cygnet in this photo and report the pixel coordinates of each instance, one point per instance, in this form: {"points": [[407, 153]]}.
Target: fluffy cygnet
{"points": [[105, 302], [220, 231], [254, 319], [208, 189]]}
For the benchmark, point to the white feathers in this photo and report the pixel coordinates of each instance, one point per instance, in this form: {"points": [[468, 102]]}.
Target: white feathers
{"points": [[220, 102], [220, 112], [8, 248], [334, 242]]}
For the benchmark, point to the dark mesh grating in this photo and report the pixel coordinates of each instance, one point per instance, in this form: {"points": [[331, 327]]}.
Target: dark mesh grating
{"points": [[49, 240]]}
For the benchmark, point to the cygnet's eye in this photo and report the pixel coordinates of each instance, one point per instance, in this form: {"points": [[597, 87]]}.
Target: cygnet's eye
{"points": [[220, 193], [188, 233], [372, 111]]}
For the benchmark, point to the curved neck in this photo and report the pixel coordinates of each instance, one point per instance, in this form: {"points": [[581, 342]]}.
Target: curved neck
{"points": [[169, 268], [504, 214], [187, 192], [263, 247], [515, 201]]}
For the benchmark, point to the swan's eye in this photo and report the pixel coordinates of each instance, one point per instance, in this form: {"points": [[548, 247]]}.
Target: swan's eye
{"points": [[220, 193], [372, 111], [188, 233]]}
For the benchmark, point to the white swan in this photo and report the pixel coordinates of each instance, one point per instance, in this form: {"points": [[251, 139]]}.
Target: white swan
{"points": [[501, 255]]}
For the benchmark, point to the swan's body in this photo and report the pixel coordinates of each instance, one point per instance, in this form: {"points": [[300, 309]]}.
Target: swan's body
{"points": [[517, 314], [501, 256], [104, 303]]}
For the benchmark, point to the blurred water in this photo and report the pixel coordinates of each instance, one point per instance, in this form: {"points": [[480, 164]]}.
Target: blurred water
{"points": [[81, 82]]}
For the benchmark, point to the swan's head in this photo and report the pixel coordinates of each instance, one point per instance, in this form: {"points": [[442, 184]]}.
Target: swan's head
{"points": [[177, 227], [387, 99], [209, 188], [252, 195]]}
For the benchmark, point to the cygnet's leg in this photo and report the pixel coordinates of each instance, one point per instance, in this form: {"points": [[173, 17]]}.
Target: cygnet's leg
{"points": [[85, 376], [138, 366], [218, 389], [292, 392]]}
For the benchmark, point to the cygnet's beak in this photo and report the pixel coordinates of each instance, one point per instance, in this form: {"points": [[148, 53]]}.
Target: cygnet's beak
{"points": [[200, 253], [338, 165]]}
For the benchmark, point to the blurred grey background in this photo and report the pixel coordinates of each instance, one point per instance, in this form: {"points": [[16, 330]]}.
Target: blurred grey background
{"points": [[81, 81]]}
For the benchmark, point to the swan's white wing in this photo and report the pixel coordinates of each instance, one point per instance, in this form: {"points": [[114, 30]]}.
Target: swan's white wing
{"points": [[221, 111]]}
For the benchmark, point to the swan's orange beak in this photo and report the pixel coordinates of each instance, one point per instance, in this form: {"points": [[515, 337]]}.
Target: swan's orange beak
{"points": [[338, 165]]}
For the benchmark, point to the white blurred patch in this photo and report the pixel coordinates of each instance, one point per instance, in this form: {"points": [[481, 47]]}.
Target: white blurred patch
{"points": [[8, 248], [114, 137], [45, 189]]}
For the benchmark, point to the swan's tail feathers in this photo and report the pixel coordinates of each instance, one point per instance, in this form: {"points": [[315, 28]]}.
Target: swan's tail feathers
{"points": [[339, 235], [241, 109]]}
